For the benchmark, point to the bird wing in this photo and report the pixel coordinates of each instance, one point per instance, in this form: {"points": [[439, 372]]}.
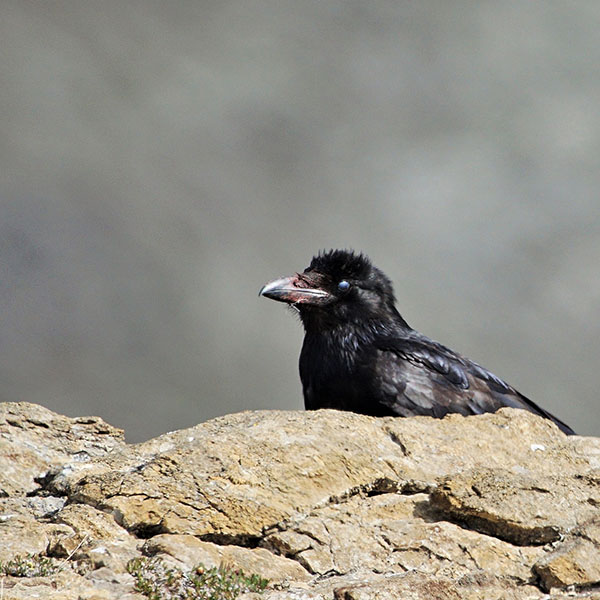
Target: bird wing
{"points": [[418, 376]]}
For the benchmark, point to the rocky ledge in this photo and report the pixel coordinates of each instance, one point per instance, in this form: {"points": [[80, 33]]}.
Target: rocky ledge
{"points": [[325, 505]]}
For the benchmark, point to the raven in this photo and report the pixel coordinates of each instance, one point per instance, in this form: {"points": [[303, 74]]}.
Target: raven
{"points": [[360, 355]]}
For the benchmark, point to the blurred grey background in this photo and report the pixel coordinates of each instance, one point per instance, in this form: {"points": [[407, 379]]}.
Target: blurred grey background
{"points": [[160, 161]]}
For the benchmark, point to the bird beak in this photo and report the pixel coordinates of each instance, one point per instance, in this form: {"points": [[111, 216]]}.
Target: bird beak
{"points": [[290, 290]]}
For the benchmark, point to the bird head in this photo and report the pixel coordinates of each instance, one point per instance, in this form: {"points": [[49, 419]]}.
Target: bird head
{"points": [[338, 286]]}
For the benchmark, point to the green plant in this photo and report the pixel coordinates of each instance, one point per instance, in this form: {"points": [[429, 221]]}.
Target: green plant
{"points": [[158, 582], [31, 565]]}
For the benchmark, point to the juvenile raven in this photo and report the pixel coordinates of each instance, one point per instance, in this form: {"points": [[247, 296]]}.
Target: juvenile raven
{"points": [[360, 355]]}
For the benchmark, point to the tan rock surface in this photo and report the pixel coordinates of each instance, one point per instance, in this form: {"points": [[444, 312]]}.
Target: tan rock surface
{"points": [[26, 525], [523, 509], [575, 561], [34, 439], [234, 476], [190, 551], [327, 505], [392, 533]]}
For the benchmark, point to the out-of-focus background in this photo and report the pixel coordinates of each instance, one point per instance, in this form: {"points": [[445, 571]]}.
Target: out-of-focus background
{"points": [[160, 161]]}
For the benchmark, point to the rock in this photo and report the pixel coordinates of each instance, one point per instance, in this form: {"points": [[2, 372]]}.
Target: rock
{"points": [[26, 525], [325, 504], [522, 509], [391, 533], [189, 551], [413, 586], [34, 439], [66, 586], [230, 478], [575, 561], [233, 476], [94, 537]]}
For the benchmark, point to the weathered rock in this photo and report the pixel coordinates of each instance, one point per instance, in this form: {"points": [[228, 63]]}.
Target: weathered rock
{"points": [[325, 504], [413, 586], [94, 536], [522, 509], [67, 585], [25, 527], [575, 561], [34, 439], [188, 551], [234, 476], [391, 533]]}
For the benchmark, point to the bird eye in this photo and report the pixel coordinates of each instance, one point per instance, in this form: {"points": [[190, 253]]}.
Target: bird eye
{"points": [[343, 285]]}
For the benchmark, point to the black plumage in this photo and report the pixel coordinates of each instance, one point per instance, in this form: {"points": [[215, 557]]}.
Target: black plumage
{"points": [[359, 354]]}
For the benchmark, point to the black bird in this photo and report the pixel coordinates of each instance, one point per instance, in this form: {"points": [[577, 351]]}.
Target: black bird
{"points": [[360, 355]]}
